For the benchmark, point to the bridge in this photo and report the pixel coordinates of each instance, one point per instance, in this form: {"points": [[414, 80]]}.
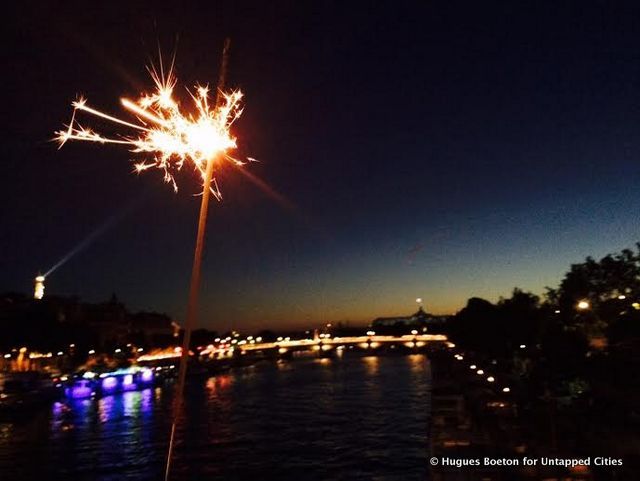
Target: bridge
{"points": [[322, 343]]}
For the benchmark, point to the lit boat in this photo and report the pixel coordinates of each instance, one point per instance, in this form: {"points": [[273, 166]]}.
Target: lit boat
{"points": [[95, 384]]}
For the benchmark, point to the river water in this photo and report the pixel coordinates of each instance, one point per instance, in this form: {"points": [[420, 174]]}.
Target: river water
{"points": [[345, 418]]}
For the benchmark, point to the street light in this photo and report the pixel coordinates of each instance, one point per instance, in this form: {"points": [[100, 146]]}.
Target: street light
{"points": [[583, 305]]}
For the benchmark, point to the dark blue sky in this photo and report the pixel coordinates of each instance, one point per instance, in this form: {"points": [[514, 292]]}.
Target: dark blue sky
{"points": [[440, 150]]}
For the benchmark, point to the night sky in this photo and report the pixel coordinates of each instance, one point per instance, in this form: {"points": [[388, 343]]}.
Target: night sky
{"points": [[440, 150]]}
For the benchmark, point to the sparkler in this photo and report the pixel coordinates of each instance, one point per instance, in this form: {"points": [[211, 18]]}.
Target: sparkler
{"points": [[172, 137], [169, 136]]}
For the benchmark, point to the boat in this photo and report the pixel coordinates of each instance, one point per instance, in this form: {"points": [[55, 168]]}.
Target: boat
{"points": [[89, 384]]}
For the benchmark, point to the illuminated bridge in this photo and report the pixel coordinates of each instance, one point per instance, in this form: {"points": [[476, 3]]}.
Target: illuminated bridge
{"points": [[323, 344]]}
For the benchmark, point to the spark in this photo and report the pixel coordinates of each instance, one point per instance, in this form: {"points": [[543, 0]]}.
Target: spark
{"points": [[166, 135]]}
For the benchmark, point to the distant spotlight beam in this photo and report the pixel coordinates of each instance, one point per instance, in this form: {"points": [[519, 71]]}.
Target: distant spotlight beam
{"points": [[93, 235]]}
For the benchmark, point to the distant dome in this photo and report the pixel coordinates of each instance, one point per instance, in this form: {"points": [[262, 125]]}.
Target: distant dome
{"points": [[420, 315]]}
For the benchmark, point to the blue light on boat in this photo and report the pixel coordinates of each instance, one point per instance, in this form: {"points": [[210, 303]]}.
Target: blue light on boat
{"points": [[109, 383], [80, 390], [147, 375], [127, 382]]}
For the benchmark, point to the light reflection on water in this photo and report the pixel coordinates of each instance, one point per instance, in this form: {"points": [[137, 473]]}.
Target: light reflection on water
{"points": [[330, 418]]}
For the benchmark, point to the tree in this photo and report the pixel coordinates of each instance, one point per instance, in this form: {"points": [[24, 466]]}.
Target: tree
{"points": [[610, 286], [521, 318], [475, 325]]}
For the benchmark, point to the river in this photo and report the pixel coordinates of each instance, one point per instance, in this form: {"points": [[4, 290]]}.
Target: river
{"points": [[345, 418]]}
